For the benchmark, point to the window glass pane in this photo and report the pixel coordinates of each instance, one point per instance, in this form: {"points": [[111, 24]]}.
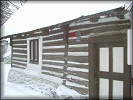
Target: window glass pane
{"points": [[104, 59], [31, 50], [117, 89], [104, 88], [36, 50], [118, 59]]}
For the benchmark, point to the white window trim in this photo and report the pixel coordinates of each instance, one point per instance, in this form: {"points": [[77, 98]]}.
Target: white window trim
{"points": [[35, 67]]}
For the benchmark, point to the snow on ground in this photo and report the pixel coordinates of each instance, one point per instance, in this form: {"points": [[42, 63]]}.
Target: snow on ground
{"points": [[62, 90], [13, 91], [16, 91]]}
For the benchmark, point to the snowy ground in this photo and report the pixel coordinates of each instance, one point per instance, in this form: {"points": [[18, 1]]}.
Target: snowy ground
{"points": [[11, 90], [15, 91]]}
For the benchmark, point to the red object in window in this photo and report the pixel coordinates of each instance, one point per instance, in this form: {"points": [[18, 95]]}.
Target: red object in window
{"points": [[73, 34]]}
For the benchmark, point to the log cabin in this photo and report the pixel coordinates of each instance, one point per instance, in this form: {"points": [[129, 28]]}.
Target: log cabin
{"points": [[88, 54]]}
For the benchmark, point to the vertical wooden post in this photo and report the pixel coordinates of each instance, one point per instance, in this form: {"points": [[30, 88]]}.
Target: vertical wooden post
{"points": [[92, 58], [65, 29]]}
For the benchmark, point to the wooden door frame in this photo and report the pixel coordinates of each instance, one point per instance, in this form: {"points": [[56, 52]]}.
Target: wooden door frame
{"points": [[93, 89]]}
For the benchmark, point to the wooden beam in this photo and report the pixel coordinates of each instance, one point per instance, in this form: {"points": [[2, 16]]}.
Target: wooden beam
{"points": [[55, 37], [79, 59], [54, 50], [18, 67], [82, 82], [20, 51], [11, 41], [79, 49], [19, 63], [55, 43], [50, 74], [53, 57], [20, 42], [20, 60], [53, 63], [65, 29], [19, 46], [20, 56], [57, 70], [98, 24], [78, 74]]}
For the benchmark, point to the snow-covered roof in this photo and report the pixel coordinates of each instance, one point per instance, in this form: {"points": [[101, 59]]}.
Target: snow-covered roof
{"points": [[110, 15]]}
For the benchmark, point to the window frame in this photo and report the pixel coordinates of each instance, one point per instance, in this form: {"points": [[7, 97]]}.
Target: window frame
{"points": [[34, 51]]}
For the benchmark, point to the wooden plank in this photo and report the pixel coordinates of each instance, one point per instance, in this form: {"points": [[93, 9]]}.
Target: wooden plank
{"points": [[79, 66], [19, 39], [79, 74], [53, 41], [20, 56], [19, 63], [73, 41], [79, 49], [92, 58], [52, 32], [20, 60], [10, 41], [54, 50], [65, 29], [17, 66], [109, 28], [25, 37], [19, 46], [105, 38], [20, 51], [56, 43], [53, 57], [20, 42], [55, 37], [52, 69], [53, 63], [79, 59], [80, 90], [81, 82], [53, 66], [38, 34], [97, 24], [52, 74]]}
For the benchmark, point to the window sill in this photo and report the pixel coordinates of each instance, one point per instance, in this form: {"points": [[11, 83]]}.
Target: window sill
{"points": [[31, 62]]}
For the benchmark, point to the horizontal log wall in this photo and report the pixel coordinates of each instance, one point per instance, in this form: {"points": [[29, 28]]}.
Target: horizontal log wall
{"points": [[78, 63], [77, 66], [77, 57], [78, 71], [54, 58], [19, 55], [53, 54]]}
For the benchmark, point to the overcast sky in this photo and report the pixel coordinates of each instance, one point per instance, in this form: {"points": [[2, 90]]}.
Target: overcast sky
{"points": [[38, 14]]}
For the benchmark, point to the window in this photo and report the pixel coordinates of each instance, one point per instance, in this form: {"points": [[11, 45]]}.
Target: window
{"points": [[34, 51]]}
